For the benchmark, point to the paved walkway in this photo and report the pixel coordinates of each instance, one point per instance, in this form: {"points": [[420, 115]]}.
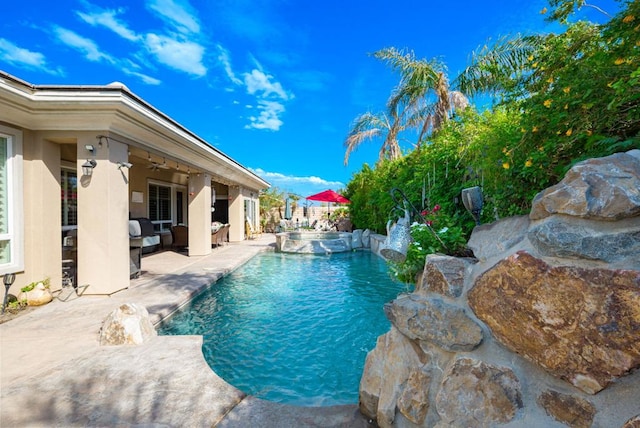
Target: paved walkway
{"points": [[53, 372]]}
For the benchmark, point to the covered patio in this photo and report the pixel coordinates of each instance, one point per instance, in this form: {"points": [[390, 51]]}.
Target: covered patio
{"points": [[84, 160]]}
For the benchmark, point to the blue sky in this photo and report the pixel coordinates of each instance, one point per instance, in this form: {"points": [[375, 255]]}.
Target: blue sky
{"points": [[275, 84]]}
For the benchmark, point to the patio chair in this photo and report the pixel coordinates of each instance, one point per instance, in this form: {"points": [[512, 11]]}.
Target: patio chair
{"points": [[180, 236], [225, 233], [219, 234], [249, 231]]}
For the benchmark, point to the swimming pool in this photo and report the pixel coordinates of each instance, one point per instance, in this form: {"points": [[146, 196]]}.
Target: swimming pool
{"points": [[293, 329]]}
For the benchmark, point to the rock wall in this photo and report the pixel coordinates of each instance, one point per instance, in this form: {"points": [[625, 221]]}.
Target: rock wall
{"points": [[540, 329]]}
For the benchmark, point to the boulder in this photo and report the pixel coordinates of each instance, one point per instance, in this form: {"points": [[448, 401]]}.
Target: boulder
{"points": [[494, 239], [366, 238], [413, 402], [356, 238], [129, 324], [570, 410], [387, 368], [581, 325], [606, 188], [443, 275], [634, 422], [474, 393], [434, 321], [561, 236]]}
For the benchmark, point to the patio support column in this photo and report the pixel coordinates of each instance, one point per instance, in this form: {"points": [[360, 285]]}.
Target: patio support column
{"points": [[42, 218], [199, 214], [236, 214], [103, 214]]}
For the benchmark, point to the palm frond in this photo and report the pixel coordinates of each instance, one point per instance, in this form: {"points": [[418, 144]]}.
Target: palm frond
{"points": [[364, 127], [458, 101], [494, 68], [354, 140]]}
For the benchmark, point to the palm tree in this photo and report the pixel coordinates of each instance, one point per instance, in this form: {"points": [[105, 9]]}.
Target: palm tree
{"points": [[369, 126], [423, 89], [424, 100]]}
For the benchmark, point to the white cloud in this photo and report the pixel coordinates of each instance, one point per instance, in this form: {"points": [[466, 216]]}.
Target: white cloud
{"points": [[257, 82], [269, 94], [268, 118], [177, 15], [21, 57], [108, 19], [82, 44], [304, 186], [145, 79], [180, 55], [224, 59], [92, 52]]}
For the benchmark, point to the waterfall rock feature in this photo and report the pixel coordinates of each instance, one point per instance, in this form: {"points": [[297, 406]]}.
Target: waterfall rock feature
{"points": [[541, 328]]}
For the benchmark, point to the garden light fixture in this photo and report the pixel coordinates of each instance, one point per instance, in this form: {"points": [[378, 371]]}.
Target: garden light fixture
{"points": [[8, 280], [472, 200]]}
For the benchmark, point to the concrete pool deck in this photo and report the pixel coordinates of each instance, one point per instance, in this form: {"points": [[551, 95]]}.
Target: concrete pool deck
{"points": [[53, 372]]}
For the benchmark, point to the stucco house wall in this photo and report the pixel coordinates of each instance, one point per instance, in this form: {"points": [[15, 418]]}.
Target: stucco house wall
{"points": [[134, 146]]}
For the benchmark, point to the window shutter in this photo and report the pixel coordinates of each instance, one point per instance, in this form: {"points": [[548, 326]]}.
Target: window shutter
{"points": [[4, 194], [164, 200], [5, 247]]}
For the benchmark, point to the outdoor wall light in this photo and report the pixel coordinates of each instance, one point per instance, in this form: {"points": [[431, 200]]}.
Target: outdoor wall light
{"points": [[89, 147], [7, 279], [87, 167], [472, 200], [124, 165]]}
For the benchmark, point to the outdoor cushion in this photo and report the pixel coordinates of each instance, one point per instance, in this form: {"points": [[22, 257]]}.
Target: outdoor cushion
{"points": [[134, 228]]}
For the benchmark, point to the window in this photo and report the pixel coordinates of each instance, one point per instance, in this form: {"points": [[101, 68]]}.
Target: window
{"points": [[11, 220], [160, 207], [250, 211], [69, 184]]}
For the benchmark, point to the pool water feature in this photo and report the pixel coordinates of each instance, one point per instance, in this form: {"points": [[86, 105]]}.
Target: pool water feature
{"points": [[293, 329], [313, 242]]}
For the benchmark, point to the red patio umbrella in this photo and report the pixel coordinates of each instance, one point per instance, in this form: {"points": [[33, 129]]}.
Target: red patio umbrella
{"points": [[329, 196]]}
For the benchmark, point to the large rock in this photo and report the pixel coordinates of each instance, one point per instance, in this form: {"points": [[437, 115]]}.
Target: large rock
{"points": [[579, 324], [605, 188], [356, 238], [413, 402], [130, 324], [494, 239], [387, 368], [568, 409], [443, 275], [434, 321], [366, 237], [634, 422], [559, 236], [475, 394]]}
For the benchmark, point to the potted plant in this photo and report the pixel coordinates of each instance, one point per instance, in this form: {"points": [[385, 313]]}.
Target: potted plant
{"points": [[36, 294]]}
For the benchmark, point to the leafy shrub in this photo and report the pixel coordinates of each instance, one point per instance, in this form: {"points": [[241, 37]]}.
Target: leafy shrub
{"points": [[436, 233], [29, 287]]}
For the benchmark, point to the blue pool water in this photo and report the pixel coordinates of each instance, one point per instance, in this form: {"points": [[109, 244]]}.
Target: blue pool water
{"points": [[293, 328]]}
